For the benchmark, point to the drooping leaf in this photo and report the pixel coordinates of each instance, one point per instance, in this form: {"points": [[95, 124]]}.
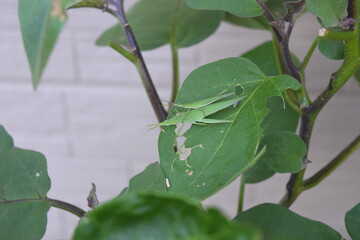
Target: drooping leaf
{"points": [[331, 49], [41, 22], [218, 153], [284, 152], [243, 8], [256, 22], [159, 22], [331, 12], [24, 183], [148, 216], [352, 221], [152, 179], [279, 223]]}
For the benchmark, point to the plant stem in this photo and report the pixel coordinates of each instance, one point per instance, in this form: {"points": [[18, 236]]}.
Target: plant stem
{"points": [[53, 202], [159, 110], [241, 195], [175, 68], [309, 112], [332, 165], [67, 207], [308, 55]]}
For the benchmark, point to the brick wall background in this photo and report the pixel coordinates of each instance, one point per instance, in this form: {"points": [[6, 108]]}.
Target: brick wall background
{"points": [[90, 113]]}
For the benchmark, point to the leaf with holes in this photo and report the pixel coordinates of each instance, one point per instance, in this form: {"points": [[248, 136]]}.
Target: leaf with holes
{"points": [[216, 154], [243, 8], [24, 183], [149, 216], [277, 222], [41, 22], [159, 22], [331, 12]]}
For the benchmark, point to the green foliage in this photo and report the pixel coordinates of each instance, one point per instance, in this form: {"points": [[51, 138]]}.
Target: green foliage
{"points": [[23, 183], [159, 22], [352, 221], [244, 8], [41, 32], [215, 155], [68, 3], [255, 22], [331, 12], [357, 75], [264, 57], [152, 179], [284, 152], [279, 223], [149, 216], [331, 49]]}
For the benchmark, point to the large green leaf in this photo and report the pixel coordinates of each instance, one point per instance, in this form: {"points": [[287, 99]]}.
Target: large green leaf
{"points": [[331, 12], [158, 22], [279, 223], [24, 183], [148, 216], [331, 49], [284, 152], [258, 173], [152, 179], [218, 153], [352, 221], [41, 22], [243, 8]]}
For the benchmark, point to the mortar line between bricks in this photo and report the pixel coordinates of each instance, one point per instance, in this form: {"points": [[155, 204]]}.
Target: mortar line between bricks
{"points": [[66, 119], [75, 57]]}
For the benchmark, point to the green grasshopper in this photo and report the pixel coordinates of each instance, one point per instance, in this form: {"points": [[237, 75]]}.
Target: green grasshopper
{"points": [[197, 116], [203, 102]]}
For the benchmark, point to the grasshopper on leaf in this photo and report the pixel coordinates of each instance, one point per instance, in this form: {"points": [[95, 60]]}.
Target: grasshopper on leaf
{"points": [[197, 116], [203, 102]]}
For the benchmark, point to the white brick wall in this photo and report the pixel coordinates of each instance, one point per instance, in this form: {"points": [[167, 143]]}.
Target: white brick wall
{"points": [[90, 113]]}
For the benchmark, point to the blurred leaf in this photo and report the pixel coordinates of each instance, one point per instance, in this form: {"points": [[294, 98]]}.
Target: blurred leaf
{"points": [[218, 153], [159, 22], [279, 223], [24, 183], [256, 22], [152, 179], [148, 216], [277, 6], [352, 221], [331, 12], [243, 8], [68, 3], [41, 22], [284, 152], [86, 3], [331, 49]]}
